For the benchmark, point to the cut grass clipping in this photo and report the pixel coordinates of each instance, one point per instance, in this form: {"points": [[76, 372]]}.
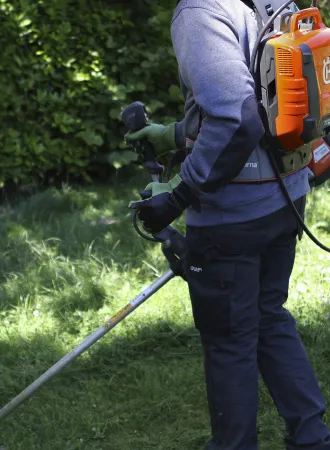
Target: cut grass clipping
{"points": [[70, 259]]}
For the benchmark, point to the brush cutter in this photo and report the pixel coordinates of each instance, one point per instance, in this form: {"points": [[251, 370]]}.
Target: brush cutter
{"points": [[173, 247]]}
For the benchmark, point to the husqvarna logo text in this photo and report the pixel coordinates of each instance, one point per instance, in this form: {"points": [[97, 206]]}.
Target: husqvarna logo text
{"points": [[196, 269], [251, 165], [326, 71]]}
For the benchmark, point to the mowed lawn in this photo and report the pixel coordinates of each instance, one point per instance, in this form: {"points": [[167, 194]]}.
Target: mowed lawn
{"points": [[71, 258]]}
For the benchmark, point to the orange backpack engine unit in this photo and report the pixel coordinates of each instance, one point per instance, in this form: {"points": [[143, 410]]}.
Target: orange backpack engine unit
{"points": [[294, 79]]}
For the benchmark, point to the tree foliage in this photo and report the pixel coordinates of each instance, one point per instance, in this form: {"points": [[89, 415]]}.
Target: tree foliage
{"points": [[67, 69]]}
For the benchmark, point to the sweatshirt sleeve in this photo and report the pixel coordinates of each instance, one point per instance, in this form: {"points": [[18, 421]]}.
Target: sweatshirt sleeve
{"points": [[213, 67]]}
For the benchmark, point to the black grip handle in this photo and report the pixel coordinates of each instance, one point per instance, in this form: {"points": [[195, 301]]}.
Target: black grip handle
{"points": [[149, 159], [135, 118]]}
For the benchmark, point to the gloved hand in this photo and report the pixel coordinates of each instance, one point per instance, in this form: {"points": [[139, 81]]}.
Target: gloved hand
{"points": [[161, 137], [163, 203]]}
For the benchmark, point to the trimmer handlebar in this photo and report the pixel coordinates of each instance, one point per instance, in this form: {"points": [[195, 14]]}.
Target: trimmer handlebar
{"points": [[135, 118], [173, 249], [173, 243]]}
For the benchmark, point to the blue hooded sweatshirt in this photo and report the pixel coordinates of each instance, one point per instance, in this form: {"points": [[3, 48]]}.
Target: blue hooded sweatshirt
{"points": [[213, 42]]}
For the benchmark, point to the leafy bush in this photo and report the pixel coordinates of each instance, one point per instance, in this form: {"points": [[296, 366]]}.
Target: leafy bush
{"points": [[67, 69]]}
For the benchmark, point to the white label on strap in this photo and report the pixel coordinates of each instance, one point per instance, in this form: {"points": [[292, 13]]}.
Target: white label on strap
{"points": [[320, 152]]}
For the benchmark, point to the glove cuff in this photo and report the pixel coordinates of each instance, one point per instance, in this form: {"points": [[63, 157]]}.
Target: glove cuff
{"points": [[182, 194], [170, 136], [179, 136]]}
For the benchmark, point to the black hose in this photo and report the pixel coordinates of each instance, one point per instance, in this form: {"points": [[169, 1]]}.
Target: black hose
{"points": [[262, 33], [296, 213], [270, 153], [139, 232]]}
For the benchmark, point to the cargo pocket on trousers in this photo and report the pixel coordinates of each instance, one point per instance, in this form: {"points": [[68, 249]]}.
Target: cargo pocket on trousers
{"points": [[210, 280]]}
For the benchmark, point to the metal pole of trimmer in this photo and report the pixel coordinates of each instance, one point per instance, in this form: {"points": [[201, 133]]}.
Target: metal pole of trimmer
{"points": [[86, 344], [135, 118]]}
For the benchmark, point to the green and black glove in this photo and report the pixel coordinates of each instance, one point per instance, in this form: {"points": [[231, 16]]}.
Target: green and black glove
{"points": [[161, 137], [163, 203]]}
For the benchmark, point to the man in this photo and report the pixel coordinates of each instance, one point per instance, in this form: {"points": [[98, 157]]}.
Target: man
{"points": [[241, 235]]}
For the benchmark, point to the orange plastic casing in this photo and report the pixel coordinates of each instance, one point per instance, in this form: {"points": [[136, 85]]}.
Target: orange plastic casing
{"points": [[302, 70], [320, 162]]}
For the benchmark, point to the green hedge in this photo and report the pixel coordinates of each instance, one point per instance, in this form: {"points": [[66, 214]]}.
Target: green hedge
{"points": [[67, 68]]}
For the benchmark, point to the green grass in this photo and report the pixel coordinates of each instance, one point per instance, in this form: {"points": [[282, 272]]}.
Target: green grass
{"points": [[69, 260]]}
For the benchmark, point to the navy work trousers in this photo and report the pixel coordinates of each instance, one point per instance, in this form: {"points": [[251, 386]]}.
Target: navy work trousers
{"points": [[238, 278]]}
